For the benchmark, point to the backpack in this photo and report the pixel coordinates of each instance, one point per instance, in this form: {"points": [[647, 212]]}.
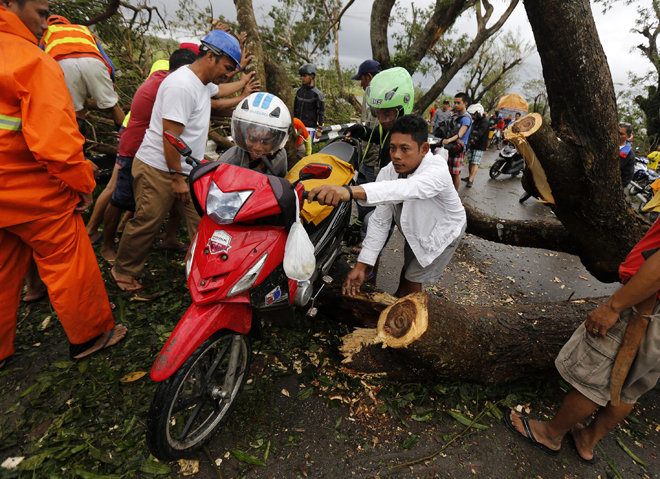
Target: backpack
{"points": [[447, 129]]}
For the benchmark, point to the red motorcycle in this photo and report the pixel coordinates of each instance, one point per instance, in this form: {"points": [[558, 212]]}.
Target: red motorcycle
{"points": [[235, 275]]}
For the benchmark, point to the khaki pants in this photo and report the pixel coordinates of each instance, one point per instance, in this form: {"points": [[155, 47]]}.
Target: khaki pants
{"points": [[153, 200]]}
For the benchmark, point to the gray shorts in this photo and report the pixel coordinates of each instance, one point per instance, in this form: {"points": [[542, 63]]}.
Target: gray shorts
{"points": [[431, 274], [586, 363]]}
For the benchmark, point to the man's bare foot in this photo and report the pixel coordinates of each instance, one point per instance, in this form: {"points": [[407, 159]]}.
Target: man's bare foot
{"points": [[107, 339], [108, 254], [33, 295], [95, 237], [169, 243], [537, 430], [583, 449], [125, 282]]}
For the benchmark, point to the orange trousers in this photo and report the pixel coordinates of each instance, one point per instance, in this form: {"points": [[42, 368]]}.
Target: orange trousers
{"points": [[67, 265]]}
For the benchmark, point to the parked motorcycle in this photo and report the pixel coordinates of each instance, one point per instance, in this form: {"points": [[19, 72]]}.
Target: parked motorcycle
{"points": [[235, 275], [510, 162]]}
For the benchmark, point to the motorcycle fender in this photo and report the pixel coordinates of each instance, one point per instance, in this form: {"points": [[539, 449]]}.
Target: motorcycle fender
{"points": [[196, 326]]}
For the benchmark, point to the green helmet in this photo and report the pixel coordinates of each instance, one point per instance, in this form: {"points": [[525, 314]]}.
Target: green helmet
{"points": [[391, 88]]}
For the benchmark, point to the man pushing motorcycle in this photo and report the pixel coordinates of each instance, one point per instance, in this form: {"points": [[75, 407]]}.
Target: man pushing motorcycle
{"points": [[415, 191]]}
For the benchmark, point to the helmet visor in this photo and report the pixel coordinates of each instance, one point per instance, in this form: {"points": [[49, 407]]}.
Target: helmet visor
{"points": [[258, 140]]}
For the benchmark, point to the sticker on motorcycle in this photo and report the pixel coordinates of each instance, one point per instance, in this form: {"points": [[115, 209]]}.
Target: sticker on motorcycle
{"points": [[274, 296], [220, 242]]}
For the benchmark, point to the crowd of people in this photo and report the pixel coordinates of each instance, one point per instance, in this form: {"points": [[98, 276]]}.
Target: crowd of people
{"points": [[47, 183]]}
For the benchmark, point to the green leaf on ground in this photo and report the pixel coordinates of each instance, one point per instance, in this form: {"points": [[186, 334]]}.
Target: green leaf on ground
{"points": [[247, 458], [90, 475], [423, 418], [494, 410], [629, 452], [464, 420], [153, 467], [32, 463], [305, 394], [410, 441]]}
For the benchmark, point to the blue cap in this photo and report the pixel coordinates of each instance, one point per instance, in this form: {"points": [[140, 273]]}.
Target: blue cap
{"points": [[221, 42], [367, 66]]}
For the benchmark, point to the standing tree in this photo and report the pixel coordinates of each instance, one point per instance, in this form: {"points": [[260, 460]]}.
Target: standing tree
{"points": [[492, 71], [419, 42]]}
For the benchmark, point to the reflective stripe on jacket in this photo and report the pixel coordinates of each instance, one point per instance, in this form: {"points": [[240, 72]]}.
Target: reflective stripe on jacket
{"points": [[42, 167], [72, 41]]}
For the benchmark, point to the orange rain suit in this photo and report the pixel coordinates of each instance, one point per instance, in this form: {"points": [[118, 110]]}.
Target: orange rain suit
{"points": [[42, 170]]}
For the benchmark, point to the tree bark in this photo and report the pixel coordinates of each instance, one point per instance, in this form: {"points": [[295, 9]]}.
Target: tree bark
{"points": [[380, 16], [527, 233], [477, 344], [248, 23], [580, 156]]}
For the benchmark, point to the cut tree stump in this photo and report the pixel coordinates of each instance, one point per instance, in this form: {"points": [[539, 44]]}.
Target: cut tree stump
{"points": [[424, 336]]}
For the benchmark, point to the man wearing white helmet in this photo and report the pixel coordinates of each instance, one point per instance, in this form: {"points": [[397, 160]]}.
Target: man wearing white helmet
{"points": [[478, 142], [183, 107], [260, 127]]}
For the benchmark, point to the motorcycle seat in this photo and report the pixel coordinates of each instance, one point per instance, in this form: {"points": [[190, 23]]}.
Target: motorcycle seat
{"points": [[342, 174]]}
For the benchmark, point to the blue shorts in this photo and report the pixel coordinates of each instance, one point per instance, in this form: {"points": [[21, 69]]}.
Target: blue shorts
{"points": [[122, 197]]}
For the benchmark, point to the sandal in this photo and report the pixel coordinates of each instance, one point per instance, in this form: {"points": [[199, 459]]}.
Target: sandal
{"points": [[119, 282], [529, 435], [76, 349]]}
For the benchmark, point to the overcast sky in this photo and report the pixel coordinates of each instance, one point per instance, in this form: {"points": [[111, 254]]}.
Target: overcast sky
{"points": [[614, 28]]}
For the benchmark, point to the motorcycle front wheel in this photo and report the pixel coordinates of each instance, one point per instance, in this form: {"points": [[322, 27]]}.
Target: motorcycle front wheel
{"points": [[495, 170], [191, 405]]}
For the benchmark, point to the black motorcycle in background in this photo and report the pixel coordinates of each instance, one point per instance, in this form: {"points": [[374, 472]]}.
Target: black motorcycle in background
{"points": [[510, 162]]}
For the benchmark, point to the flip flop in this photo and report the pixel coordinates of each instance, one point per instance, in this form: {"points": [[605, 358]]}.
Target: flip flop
{"points": [[76, 349], [591, 461], [35, 300], [119, 282], [528, 431], [183, 247]]}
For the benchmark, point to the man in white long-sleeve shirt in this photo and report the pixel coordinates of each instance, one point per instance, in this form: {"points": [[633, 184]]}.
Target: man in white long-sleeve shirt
{"points": [[417, 192]]}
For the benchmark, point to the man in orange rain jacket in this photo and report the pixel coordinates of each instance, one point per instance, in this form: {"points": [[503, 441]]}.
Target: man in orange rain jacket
{"points": [[45, 182]]}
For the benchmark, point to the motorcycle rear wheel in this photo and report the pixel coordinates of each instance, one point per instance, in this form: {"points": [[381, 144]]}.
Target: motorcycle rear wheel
{"points": [[495, 170], [190, 406]]}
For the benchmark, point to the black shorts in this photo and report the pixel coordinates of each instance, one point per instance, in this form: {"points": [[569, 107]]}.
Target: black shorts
{"points": [[122, 197]]}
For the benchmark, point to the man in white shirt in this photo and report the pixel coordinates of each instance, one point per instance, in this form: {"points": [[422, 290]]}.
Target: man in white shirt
{"points": [[416, 191], [183, 107]]}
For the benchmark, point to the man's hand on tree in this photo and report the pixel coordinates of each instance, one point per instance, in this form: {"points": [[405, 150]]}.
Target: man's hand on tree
{"points": [[329, 195], [180, 189], [86, 201], [355, 278], [250, 87], [600, 320], [246, 58]]}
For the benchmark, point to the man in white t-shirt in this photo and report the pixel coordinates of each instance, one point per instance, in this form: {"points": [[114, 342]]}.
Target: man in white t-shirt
{"points": [[183, 107]]}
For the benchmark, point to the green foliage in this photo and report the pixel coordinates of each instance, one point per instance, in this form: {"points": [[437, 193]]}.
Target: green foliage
{"points": [[492, 72]]}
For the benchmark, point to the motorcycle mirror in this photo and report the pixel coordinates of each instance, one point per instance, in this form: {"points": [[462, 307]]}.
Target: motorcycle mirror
{"points": [[178, 143], [316, 171]]}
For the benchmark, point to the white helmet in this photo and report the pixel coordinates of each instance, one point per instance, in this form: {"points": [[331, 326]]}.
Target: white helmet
{"points": [[260, 124], [475, 108]]}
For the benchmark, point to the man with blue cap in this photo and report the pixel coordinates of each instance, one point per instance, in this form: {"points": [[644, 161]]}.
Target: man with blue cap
{"points": [[183, 107]]}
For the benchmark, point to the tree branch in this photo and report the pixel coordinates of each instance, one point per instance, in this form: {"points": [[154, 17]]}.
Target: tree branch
{"points": [[550, 235], [335, 21], [113, 6]]}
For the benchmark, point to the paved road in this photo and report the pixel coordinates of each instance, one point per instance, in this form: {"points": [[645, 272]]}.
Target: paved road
{"points": [[502, 271]]}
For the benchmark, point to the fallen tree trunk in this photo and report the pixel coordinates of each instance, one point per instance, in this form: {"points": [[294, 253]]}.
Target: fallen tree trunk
{"points": [[550, 235], [428, 337]]}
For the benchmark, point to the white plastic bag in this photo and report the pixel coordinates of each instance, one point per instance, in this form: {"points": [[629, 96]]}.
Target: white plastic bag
{"points": [[299, 260], [442, 152]]}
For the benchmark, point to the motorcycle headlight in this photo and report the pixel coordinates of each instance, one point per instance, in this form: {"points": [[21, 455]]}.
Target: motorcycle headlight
{"points": [[247, 281], [223, 207], [189, 256]]}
